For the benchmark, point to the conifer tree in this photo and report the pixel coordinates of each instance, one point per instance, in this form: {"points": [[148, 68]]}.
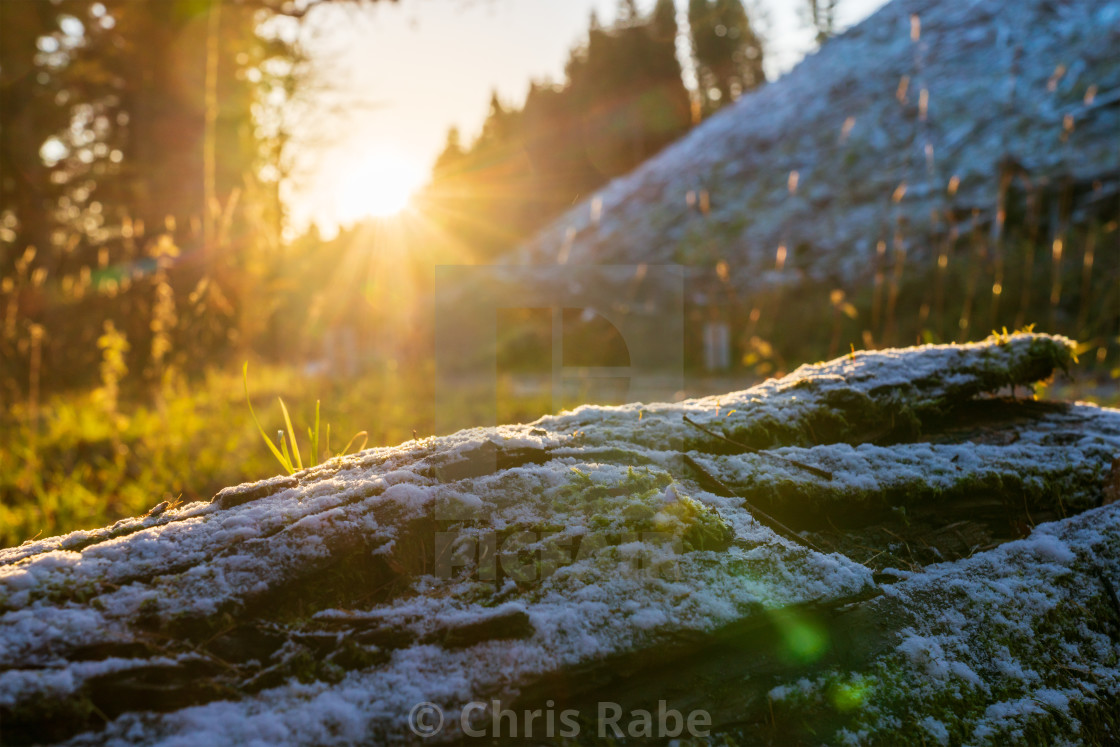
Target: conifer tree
{"points": [[822, 16], [727, 51]]}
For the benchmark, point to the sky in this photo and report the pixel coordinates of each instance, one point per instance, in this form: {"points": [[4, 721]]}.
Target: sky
{"points": [[402, 73]]}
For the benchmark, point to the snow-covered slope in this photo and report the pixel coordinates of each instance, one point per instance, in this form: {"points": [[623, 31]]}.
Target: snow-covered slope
{"points": [[574, 557], [917, 111]]}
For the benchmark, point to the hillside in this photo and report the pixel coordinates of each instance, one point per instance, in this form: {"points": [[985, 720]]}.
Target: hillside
{"points": [[923, 121]]}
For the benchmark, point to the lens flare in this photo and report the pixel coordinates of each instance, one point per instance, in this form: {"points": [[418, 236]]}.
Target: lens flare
{"points": [[378, 185]]}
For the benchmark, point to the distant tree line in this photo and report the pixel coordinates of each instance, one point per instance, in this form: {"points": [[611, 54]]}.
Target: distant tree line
{"points": [[623, 99]]}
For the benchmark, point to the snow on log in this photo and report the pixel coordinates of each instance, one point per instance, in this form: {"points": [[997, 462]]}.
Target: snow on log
{"points": [[872, 548]]}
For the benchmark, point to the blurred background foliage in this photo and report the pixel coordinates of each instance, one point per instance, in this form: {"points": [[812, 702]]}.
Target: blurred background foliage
{"points": [[144, 145], [146, 250]]}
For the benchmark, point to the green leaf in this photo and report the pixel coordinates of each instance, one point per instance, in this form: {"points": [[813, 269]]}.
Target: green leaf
{"points": [[291, 435], [285, 463], [284, 448], [365, 439], [315, 438]]}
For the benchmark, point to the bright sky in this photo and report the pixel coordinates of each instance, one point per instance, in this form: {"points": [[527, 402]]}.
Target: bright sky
{"points": [[405, 72]]}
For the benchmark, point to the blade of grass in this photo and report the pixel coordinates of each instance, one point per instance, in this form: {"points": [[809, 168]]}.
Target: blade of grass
{"points": [[284, 448], [291, 434], [365, 439], [315, 438], [268, 441]]}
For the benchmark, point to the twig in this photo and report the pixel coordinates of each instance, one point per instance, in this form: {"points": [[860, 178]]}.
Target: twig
{"points": [[1027, 509], [808, 467], [761, 516], [906, 545]]}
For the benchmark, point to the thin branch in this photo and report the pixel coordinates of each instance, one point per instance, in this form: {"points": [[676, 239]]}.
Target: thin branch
{"points": [[808, 467], [761, 516]]}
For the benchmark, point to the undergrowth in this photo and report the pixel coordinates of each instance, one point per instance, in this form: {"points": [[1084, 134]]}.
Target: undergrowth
{"points": [[72, 467]]}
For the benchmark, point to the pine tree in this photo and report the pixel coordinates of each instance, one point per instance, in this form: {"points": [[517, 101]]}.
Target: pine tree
{"points": [[663, 21], [822, 15], [728, 53], [451, 158], [628, 13], [666, 112]]}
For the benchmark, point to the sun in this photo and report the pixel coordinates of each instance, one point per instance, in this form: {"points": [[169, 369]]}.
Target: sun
{"points": [[379, 184]]}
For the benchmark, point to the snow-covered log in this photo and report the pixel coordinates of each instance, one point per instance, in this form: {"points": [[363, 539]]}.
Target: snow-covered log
{"points": [[874, 549]]}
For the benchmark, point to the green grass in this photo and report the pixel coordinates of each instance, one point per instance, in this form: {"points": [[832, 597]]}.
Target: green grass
{"points": [[291, 461], [85, 466]]}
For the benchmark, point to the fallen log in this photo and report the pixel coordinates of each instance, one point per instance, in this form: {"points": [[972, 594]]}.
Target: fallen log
{"points": [[617, 554]]}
